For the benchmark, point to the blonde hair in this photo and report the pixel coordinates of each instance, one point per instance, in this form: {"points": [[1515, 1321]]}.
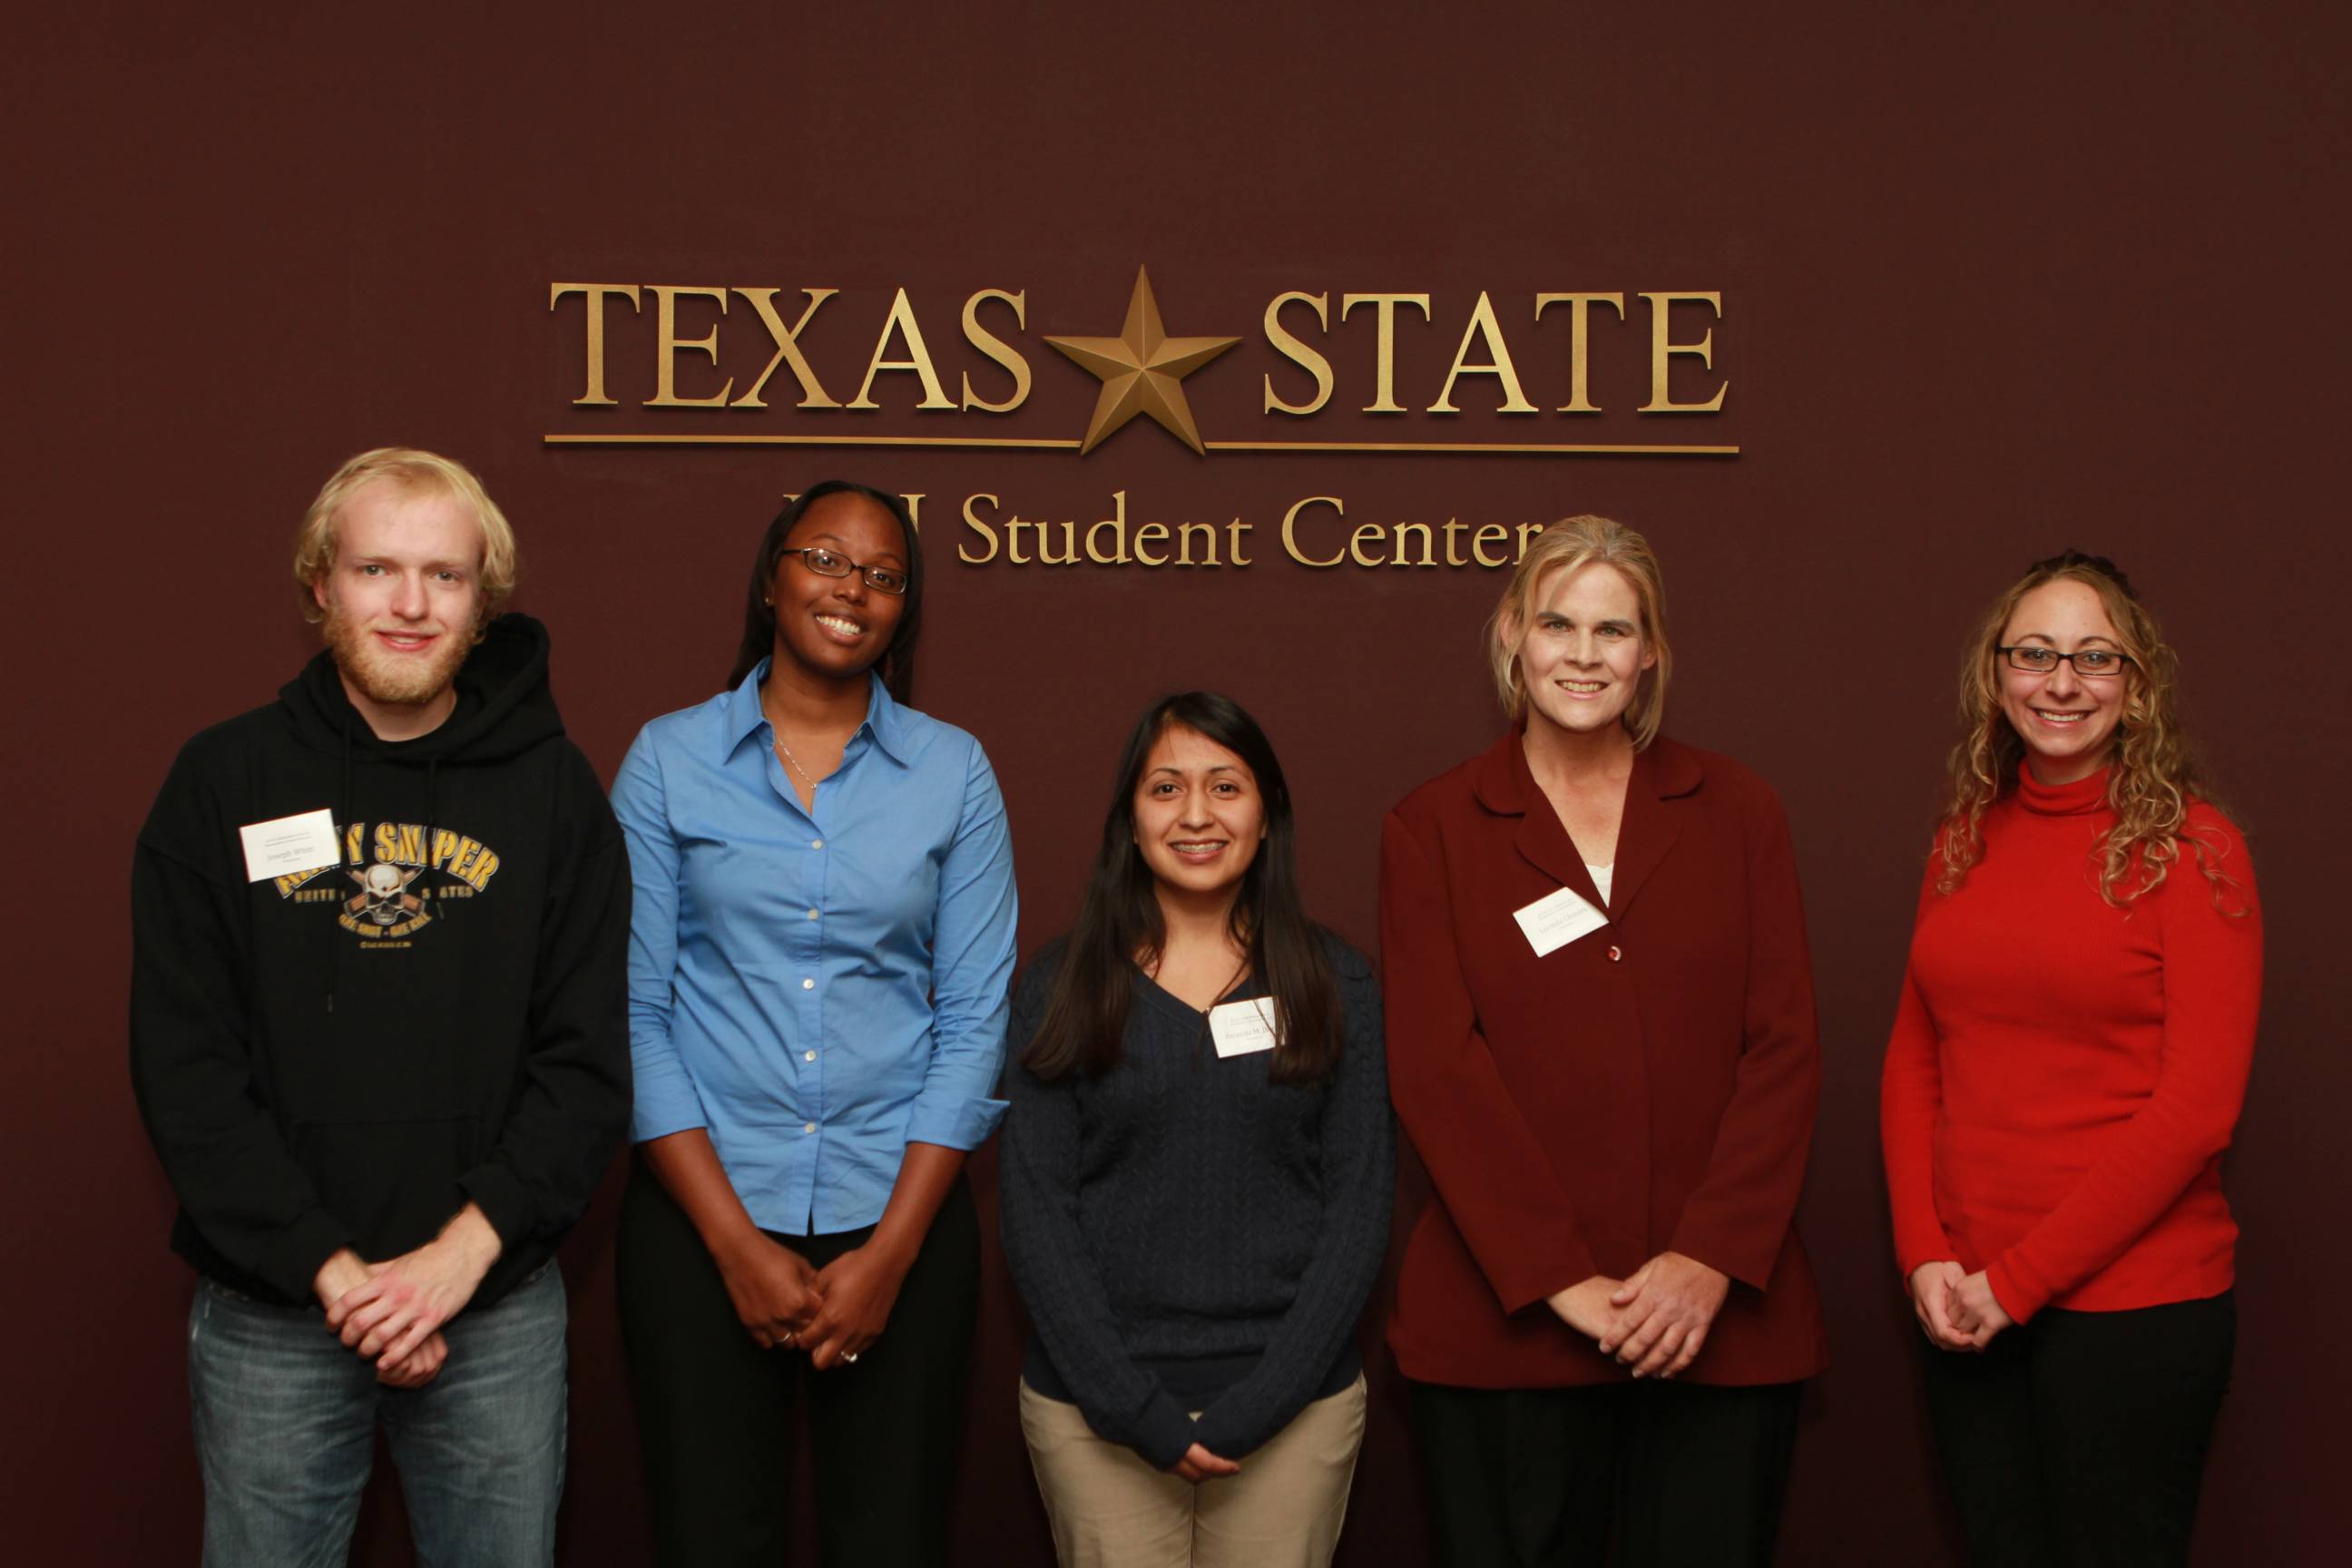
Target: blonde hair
{"points": [[1566, 546], [412, 470], [2153, 775]]}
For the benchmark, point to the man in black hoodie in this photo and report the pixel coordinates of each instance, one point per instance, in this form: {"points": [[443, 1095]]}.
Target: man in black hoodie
{"points": [[379, 1035]]}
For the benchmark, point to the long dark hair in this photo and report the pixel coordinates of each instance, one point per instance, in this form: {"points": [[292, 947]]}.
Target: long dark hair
{"points": [[897, 661], [1119, 920]]}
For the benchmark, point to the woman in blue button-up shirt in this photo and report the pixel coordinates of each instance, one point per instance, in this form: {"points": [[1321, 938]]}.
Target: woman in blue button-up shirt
{"points": [[818, 961]]}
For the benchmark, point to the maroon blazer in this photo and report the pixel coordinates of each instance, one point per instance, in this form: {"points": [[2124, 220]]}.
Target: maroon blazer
{"points": [[1648, 1087]]}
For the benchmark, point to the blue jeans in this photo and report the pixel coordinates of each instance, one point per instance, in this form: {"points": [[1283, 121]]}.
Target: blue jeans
{"points": [[286, 1418]]}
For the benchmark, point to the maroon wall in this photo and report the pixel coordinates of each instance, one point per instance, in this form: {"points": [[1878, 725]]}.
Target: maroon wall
{"points": [[1992, 287]]}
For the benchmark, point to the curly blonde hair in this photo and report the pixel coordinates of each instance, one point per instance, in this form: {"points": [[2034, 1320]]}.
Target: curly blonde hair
{"points": [[1565, 546], [2153, 776]]}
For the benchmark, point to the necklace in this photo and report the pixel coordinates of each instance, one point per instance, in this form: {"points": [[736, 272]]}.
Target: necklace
{"points": [[794, 761], [786, 751]]}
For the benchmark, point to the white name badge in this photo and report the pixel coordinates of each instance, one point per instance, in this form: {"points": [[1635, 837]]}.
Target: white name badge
{"points": [[1241, 1027], [1557, 918], [300, 843]]}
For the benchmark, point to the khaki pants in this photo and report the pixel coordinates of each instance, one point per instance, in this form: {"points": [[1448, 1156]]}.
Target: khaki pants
{"points": [[1111, 1510]]}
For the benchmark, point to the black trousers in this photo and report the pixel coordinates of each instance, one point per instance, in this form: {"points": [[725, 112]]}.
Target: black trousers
{"points": [[715, 1411], [1531, 1477], [2079, 1438]]}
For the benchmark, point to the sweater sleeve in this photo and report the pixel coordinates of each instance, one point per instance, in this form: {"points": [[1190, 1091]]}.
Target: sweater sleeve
{"points": [[568, 1118], [1910, 1098], [1486, 1163], [192, 1063], [1057, 1276], [1358, 1171], [2212, 996], [1738, 1219]]}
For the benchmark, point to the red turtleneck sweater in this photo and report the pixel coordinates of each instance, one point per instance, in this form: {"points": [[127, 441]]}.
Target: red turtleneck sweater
{"points": [[2064, 1075]]}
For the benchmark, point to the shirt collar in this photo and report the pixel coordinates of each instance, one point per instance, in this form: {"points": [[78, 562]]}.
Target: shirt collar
{"points": [[884, 720], [1504, 784]]}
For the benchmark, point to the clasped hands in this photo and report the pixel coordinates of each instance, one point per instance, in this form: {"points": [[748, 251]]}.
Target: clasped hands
{"points": [[1956, 1309], [834, 1313], [392, 1311], [1656, 1320]]}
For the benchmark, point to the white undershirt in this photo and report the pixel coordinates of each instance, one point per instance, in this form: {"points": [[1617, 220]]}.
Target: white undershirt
{"points": [[1601, 878]]}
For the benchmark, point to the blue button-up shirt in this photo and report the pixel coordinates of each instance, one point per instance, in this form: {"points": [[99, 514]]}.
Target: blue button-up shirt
{"points": [[817, 988]]}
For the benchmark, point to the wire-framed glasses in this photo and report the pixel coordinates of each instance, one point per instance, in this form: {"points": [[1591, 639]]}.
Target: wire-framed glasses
{"points": [[832, 563]]}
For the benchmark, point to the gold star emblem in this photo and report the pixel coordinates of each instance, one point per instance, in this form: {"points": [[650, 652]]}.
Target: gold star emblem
{"points": [[1140, 370]]}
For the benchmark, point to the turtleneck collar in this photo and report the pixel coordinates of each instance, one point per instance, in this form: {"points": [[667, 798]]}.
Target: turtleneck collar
{"points": [[2080, 798]]}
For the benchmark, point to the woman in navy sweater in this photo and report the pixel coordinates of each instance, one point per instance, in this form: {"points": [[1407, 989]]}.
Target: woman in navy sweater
{"points": [[1197, 1174]]}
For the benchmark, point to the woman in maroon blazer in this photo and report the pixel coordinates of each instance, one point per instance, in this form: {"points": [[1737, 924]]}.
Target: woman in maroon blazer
{"points": [[1602, 1043]]}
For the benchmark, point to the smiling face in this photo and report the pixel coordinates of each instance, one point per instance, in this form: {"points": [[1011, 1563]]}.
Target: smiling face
{"points": [[2068, 723], [836, 627], [1581, 652], [1199, 815], [403, 602]]}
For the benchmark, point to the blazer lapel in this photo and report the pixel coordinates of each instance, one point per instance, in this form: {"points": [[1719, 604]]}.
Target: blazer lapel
{"points": [[1662, 772], [1507, 786]]}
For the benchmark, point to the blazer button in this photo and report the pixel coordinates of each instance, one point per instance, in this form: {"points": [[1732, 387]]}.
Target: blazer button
{"points": [[1615, 954]]}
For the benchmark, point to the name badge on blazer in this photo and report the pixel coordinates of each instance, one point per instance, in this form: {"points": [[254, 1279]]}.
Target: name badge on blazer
{"points": [[1242, 1027], [1557, 918]]}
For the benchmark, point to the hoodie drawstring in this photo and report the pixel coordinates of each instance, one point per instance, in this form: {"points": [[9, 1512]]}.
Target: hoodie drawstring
{"points": [[441, 904], [342, 837]]}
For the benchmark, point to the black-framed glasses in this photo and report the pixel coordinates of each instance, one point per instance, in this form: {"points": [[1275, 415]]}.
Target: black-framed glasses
{"points": [[833, 564], [2093, 663]]}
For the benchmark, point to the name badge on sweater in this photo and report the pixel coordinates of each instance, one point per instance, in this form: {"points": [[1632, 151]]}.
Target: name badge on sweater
{"points": [[1241, 1027], [303, 842], [1557, 918]]}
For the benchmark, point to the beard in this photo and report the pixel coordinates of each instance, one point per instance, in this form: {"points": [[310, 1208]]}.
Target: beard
{"points": [[396, 680]]}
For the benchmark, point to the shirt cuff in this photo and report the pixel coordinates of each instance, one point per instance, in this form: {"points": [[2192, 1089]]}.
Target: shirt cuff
{"points": [[956, 1124], [657, 1114], [2019, 1295], [293, 1265], [1164, 1435], [502, 1197], [1915, 1248], [1531, 1280], [1749, 1266]]}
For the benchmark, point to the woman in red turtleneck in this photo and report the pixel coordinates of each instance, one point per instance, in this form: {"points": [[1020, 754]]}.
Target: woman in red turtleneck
{"points": [[2066, 1069]]}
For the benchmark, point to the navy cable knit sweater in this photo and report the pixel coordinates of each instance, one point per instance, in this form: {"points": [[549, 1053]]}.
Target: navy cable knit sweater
{"points": [[1187, 1236]]}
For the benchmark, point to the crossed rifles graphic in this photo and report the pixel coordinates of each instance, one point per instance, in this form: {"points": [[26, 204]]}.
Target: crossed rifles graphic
{"points": [[369, 895]]}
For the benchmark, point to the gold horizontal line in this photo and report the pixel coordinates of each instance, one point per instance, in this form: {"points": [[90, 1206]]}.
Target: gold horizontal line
{"points": [[993, 443], [1492, 448], [679, 440]]}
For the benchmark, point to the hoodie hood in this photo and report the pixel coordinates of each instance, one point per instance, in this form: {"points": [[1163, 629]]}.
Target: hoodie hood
{"points": [[504, 705]]}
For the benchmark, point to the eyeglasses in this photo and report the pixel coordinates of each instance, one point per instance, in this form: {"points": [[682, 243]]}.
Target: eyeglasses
{"points": [[832, 563], [2093, 663]]}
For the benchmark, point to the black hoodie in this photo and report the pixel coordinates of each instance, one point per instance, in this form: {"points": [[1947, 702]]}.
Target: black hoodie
{"points": [[345, 1057]]}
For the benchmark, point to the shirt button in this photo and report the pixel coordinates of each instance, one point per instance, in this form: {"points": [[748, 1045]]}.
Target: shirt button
{"points": [[811, 985], [1615, 954], [808, 1056], [808, 1126], [811, 914], [816, 843]]}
